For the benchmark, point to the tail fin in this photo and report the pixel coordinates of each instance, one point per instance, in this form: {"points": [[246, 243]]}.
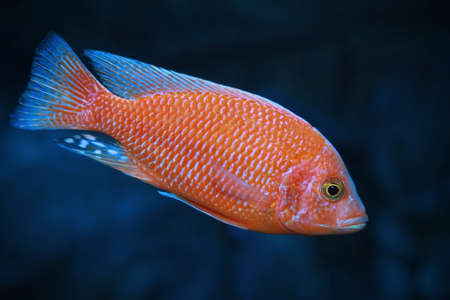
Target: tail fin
{"points": [[60, 89]]}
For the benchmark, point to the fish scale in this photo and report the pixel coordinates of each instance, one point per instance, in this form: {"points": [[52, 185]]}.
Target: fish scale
{"points": [[236, 156], [162, 130]]}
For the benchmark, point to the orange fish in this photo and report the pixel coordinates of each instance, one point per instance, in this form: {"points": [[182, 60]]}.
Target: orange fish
{"points": [[233, 155]]}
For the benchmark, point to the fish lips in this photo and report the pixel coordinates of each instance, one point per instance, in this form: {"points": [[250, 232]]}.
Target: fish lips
{"points": [[349, 225]]}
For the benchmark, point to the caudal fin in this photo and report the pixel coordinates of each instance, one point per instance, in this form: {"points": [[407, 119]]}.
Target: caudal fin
{"points": [[60, 89]]}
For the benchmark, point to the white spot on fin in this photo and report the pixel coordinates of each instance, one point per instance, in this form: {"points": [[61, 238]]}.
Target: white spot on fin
{"points": [[89, 136], [99, 144], [83, 144], [113, 152]]}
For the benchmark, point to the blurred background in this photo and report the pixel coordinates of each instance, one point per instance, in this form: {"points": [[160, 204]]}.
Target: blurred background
{"points": [[372, 76]]}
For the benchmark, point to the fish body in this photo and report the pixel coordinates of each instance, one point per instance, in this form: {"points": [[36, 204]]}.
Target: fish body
{"points": [[234, 155]]}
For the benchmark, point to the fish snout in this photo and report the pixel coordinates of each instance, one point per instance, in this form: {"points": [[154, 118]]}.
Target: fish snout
{"points": [[353, 218]]}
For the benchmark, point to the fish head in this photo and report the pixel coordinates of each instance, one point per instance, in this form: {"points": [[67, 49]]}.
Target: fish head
{"points": [[318, 196]]}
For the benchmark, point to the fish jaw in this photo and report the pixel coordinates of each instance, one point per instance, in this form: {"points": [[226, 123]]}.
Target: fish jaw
{"points": [[349, 217], [304, 209]]}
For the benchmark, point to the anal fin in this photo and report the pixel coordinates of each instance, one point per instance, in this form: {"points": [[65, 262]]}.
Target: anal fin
{"points": [[106, 150]]}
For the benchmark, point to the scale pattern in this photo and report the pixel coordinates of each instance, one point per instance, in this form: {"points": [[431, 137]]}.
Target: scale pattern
{"points": [[183, 139]]}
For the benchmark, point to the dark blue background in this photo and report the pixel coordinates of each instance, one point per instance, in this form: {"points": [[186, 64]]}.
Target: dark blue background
{"points": [[373, 76]]}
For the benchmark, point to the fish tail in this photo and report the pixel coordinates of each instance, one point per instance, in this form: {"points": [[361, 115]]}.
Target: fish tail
{"points": [[60, 92]]}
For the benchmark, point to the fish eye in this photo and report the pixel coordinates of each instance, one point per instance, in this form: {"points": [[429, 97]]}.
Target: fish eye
{"points": [[332, 189]]}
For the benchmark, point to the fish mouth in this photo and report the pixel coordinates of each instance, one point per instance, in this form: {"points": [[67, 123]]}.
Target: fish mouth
{"points": [[358, 220], [349, 225], [353, 224]]}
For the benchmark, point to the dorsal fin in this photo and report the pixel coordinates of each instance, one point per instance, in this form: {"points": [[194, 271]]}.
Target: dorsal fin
{"points": [[131, 79]]}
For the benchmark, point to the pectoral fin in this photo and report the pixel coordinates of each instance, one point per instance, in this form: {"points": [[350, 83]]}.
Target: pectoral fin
{"points": [[238, 189]]}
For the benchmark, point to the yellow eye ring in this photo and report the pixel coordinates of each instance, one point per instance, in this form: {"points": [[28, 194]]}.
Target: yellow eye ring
{"points": [[333, 189]]}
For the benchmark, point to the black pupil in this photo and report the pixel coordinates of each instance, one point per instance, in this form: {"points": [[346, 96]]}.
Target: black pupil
{"points": [[333, 190]]}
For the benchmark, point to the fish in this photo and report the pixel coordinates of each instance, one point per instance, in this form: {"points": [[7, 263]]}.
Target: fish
{"points": [[236, 156]]}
